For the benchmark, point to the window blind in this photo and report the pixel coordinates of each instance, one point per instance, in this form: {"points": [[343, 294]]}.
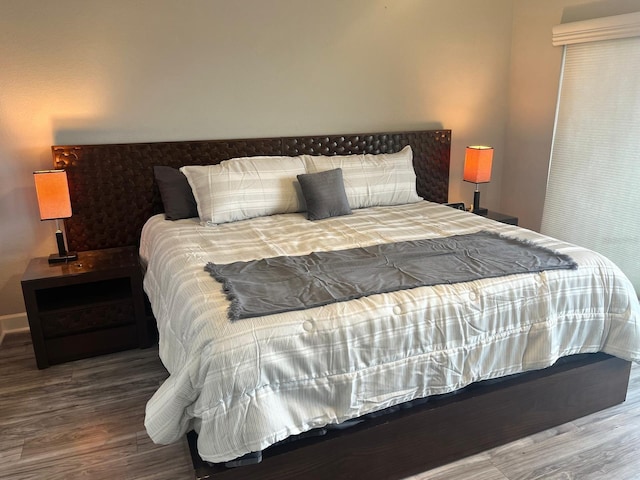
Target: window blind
{"points": [[593, 189]]}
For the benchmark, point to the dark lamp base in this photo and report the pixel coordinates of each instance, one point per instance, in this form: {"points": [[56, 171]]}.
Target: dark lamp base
{"points": [[477, 209], [67, 257]]}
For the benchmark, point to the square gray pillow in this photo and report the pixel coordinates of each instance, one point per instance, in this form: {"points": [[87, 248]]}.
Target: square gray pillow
{"points": [[324, 194], [175, 192]]}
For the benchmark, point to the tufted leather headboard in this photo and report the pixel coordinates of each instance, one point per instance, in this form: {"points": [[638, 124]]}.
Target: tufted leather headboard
{"points": [[113, 191]]}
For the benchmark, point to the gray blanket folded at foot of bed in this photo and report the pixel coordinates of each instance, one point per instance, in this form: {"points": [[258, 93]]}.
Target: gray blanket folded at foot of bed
{"points": [[287, 283]]}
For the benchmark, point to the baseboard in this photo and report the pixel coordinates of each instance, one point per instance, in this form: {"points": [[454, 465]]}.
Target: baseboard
{"points": [[13, 324]]}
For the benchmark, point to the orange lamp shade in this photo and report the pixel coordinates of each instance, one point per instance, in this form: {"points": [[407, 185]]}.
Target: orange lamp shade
{"points": [[52, 190], [477, 164]]}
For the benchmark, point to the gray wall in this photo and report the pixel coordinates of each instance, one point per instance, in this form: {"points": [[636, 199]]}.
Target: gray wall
{"points": [[77, 71]]}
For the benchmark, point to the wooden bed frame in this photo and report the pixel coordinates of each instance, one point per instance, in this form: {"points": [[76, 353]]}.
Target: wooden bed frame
{"points": [[113, 193]]}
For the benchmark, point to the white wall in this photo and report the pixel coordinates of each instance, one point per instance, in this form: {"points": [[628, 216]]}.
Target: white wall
{"points": [[77, 71]]}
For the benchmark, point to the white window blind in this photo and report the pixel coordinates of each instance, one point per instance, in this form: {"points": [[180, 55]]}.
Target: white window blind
{"points": [[593, 190]]}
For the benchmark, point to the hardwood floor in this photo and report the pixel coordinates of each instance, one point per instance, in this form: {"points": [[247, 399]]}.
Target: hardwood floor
{"points": [[85, 419]]}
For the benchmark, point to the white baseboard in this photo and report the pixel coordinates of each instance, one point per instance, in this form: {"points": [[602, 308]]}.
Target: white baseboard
{"points": [[16, 323]]}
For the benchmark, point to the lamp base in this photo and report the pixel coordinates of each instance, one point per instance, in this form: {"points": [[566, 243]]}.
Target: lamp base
{"points": [[477, 209], [67, 257]]}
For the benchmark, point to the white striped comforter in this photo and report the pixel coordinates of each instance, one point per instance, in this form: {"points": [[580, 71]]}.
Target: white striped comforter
{"points": [[247, 384]]}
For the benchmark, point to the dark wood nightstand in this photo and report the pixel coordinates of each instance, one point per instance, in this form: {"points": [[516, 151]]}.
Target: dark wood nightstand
{"points": [[501, 217], [87, 307]]}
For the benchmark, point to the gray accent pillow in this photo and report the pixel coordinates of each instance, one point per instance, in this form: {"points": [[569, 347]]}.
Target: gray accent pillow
{"points": [[324, 194], [176, 194]]}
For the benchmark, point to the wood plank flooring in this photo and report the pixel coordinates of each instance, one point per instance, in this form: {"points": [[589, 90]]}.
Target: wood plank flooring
{"points": [[85, 419]]}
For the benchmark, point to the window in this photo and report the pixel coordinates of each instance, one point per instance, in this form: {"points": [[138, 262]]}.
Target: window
{"points": [[593, 189]]}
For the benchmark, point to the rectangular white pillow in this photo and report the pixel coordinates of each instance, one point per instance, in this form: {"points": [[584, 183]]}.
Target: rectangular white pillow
{"points": [[248, 187], [372, 180]]}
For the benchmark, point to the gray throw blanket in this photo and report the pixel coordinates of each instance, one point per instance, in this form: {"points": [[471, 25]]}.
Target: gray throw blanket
{"points": [[287, 283]]}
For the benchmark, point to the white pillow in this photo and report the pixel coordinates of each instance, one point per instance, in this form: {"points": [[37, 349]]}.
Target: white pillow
{"points": [[372, 180], [247, 187]]}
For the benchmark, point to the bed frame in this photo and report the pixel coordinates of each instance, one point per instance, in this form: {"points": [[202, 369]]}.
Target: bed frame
{"points": [[113, 193]]}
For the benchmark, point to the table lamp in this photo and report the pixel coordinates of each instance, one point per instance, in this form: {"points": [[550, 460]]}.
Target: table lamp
{"points": [[477, 169], [52, 190]]}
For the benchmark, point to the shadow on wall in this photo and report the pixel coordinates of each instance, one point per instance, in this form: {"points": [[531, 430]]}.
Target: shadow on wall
{"points": [[11, 290], [84, 136], [598, 9], [80, 136]]}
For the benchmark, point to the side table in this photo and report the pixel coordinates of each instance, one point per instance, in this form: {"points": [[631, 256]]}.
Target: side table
{"points": [[87, 307]]}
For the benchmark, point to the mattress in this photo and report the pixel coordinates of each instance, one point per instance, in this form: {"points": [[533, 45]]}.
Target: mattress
{"points": [[247, 384]]}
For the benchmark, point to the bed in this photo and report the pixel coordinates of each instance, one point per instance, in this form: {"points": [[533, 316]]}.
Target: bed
{"points": [[434, 373]]}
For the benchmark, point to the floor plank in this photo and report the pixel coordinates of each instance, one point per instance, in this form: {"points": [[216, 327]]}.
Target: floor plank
{"points": [[82, 419], [478, 467], [85, 419]]}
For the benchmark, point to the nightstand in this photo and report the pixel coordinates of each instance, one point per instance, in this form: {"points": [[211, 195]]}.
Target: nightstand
{"points": [[501, 217], [87, 307]]}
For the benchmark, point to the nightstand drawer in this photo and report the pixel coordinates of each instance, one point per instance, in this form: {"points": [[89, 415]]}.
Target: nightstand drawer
{"points": [[77, 320], [90, 344]]}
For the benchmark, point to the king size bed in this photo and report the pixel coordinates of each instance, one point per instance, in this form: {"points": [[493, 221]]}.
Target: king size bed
{"points": [[312, 373]]}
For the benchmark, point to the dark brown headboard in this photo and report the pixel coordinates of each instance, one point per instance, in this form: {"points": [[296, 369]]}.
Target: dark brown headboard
{"points": [[113, 191]]}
